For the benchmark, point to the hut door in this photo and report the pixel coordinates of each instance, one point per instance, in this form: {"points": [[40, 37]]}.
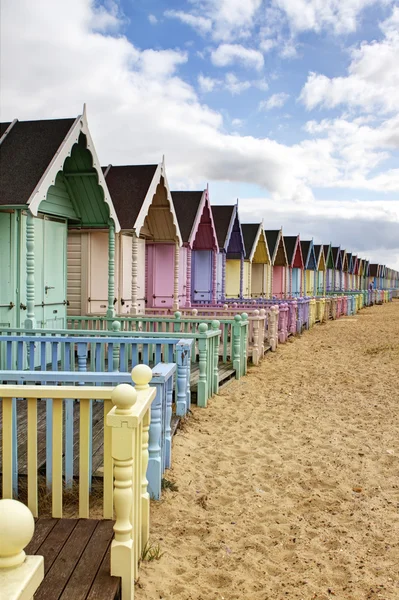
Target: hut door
{"points": [[8, 301], [202, 275], [296, 282], [54, 274], [219, 276], [163, 275]]}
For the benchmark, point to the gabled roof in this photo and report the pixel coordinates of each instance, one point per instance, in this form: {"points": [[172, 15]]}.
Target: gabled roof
{"points": [[293, 250], [309, 257], [327, 255], [319, 253], [349, 261], [33, 152], [129, 186], [189, 207], [344, 262], [373, 270], [276, 245], [132, 189], [224, 218], [186, 207], [335, 250]]}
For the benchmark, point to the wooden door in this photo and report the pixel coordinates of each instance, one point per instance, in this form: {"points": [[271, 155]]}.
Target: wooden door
{"points": [[296, 282], [54, 274], [202, 275], [257, 280], [8, 296], [98, 273], [278, 282], [163, 275], [219, 276]]}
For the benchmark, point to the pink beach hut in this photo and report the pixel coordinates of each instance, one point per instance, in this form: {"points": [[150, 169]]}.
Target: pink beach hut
{"points": [[295, 266], [279, 262], [147, 250], [198, 256]]}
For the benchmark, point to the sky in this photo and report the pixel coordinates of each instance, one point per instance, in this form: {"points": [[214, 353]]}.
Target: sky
{"points": [[291, 106]]}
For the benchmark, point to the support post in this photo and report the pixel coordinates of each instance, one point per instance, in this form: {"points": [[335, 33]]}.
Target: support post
{"points": [[255, 337], [242, 277], [236, 331], [202, 389], [176, 278], [111, 269], [188, 282], [214, 276], [30, 321], [134, 309], [224, 258]]}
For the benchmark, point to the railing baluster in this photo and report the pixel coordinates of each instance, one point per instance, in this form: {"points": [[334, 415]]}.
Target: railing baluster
{"points": [[32, 456], [8, 443], [57, 459], [85, 423]]}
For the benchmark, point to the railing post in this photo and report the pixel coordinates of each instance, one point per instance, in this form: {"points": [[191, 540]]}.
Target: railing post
{"points": [[215, 374], [20, 575], [181, 377], [142, 375], [236, 332], [177, 322], [124, 397], [262, 315], [30, 321], [202, 392], [176, 277], [255, 333], [116, 327]]}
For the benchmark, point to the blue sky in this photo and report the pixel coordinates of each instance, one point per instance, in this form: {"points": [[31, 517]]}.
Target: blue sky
{"points": [[289, 105]]}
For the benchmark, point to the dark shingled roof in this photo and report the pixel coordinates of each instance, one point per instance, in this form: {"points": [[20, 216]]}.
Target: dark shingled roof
{"points": [[373, 270], [290, 243], [221, 218], [317, 250], [128, 186], [249, 231], [272, 237], [305, 245], [335, 254], [186, 206], [25, 154]]}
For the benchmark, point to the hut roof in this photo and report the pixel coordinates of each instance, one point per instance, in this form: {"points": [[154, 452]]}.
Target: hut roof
{"points": [[290, 242], [25, 153], [128, 186], [250, 234], [186, 206], [222, 216]]}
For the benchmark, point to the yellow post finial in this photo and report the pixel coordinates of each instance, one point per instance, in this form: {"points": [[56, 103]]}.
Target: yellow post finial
{"points": [[17, 527], [141, 375]]}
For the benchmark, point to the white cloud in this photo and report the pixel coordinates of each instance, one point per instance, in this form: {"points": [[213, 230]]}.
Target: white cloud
{"points": [[228, 54], [201, 24], [339, 16], [234, 85], [267, 45], [237, 123], [207, 84], [275, 101], [152, 19], [372, 82]]}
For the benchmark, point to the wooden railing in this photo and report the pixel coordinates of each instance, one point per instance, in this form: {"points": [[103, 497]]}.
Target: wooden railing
{"points": [[180, 323], [100, 351], [126, 457], [160, 428]]}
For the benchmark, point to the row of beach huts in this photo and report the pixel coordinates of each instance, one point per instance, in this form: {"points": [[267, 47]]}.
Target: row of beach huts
{"points": [[106, 272]]}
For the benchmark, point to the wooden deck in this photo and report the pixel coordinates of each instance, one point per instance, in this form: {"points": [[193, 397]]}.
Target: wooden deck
{"points": [[76, 559]]}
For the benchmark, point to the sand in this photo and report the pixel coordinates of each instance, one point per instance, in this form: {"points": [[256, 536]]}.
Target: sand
{"points": [[288, 483]]}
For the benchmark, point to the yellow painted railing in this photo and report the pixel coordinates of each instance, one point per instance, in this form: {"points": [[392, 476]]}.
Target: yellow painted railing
{"points": [[127, 413]]}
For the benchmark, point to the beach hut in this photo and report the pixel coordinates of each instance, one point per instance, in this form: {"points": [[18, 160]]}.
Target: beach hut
{"points": [[353, 275], [309, 259], [198, 256], [230, 266], [328, 257], [295, 266], [257, 260], [374, 275], [50, 181], [320, 271], [336, 256], [349, 272], [146, 253], [279, 262], [344, 270]]}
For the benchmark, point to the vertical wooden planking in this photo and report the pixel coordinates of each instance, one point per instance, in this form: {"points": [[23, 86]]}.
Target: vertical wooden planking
{"points": [[32, 456], [145, 497], [57, 459], [8, 435], [84, 457], [108, 483]]}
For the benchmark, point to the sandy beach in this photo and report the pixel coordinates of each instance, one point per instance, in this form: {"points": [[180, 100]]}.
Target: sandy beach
{"points": [[288, 483]]}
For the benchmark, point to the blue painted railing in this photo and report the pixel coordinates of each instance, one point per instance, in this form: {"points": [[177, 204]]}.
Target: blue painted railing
{"points": [[160, 435]]}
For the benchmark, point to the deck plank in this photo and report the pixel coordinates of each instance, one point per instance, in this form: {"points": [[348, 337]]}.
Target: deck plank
{"points": [[63, 566], [55, 541], [105, 586], [84, 574]]}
